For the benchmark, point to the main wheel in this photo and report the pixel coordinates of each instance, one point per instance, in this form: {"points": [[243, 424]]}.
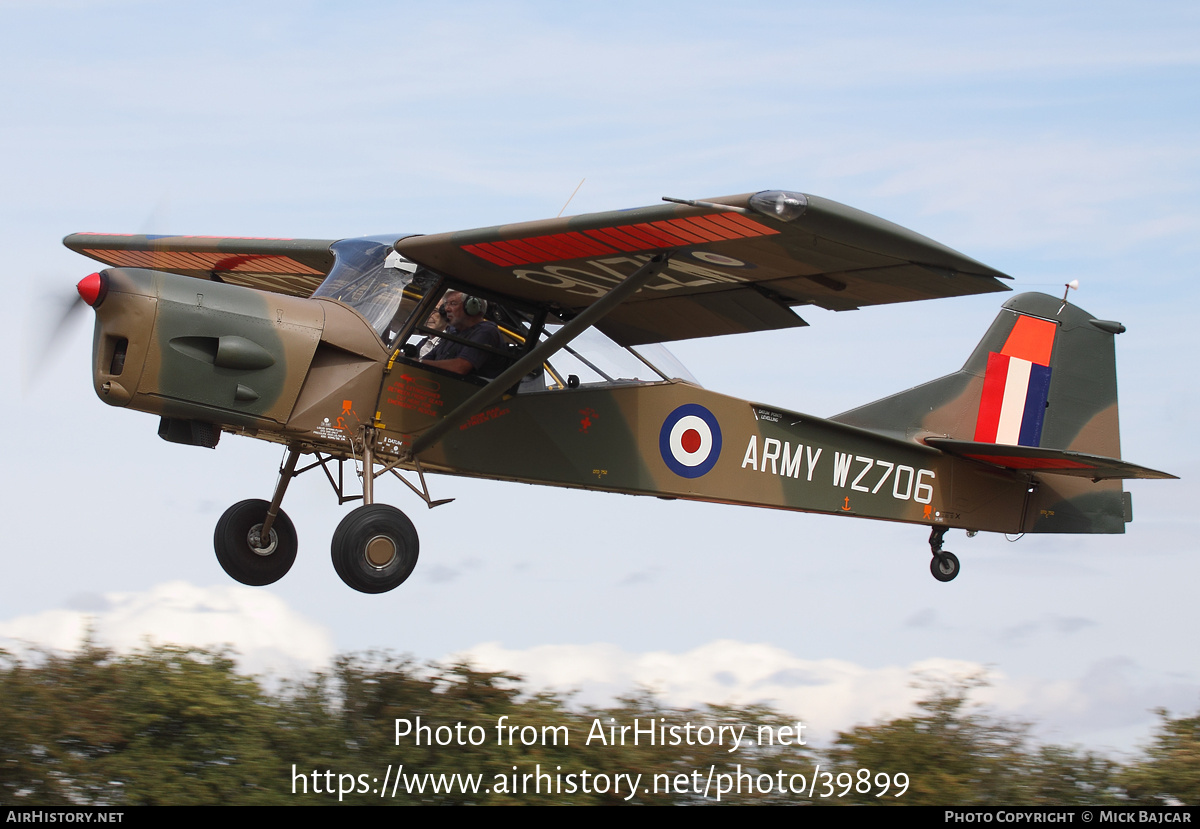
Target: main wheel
{"points": [[944, 566], [375, 548], [244, 554]]}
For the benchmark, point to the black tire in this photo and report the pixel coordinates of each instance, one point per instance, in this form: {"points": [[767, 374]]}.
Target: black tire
{"points": [[944, 566], [236, 540], [375, 548]]}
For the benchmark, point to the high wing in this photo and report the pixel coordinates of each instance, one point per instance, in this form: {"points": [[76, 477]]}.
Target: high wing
{"points": [[738, 263], [286, 266], [736, 266]]}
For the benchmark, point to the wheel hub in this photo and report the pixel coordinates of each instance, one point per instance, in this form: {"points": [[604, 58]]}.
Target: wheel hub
{"points": [[254, 538], [381, 551]]}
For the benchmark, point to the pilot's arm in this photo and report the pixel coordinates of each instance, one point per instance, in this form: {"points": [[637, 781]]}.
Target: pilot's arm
{"points": [[467, 360], [458, 365]]}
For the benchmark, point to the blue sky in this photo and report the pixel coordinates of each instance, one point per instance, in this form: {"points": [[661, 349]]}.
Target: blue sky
{"points": [[1053, 143]]}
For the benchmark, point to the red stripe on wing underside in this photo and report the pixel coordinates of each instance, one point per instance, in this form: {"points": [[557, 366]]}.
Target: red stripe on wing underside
{"points": [[668, 233]]}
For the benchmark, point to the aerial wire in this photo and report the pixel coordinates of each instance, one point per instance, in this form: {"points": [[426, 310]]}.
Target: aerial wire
{"points": [[576, 190]]}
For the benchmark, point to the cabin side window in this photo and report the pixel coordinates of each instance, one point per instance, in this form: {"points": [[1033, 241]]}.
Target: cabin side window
{"points": [[592, 358]]}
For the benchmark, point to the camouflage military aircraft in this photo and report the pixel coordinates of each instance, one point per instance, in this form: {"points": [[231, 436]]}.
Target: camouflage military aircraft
{"points": [[315, 344]]}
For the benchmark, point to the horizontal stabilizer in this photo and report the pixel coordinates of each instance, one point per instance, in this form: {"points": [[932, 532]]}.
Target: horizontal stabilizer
{"points": [[1045, 461]]}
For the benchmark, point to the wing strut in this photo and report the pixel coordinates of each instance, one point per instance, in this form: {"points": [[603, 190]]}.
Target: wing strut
{"points": [[494, 390]]}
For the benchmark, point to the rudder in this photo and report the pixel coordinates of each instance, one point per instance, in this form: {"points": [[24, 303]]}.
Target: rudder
{"points": [[1043, 375]]}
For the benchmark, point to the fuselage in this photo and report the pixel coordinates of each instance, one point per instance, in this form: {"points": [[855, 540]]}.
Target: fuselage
{"points": [[314, 373]]}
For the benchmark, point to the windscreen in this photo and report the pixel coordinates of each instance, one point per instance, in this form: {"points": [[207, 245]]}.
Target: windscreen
{"points": [[370, 277]]}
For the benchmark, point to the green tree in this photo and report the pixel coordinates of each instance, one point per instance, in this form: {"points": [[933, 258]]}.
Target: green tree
{"points": [[372, 692], [1170, 772], [684, 770], [180, 726], [26, 745], [950, 754], [60, 713], [956, 754], [165, 725], [1059, 776], [194, 731]]}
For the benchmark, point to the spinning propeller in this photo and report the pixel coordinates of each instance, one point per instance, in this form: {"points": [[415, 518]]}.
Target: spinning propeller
{"points": [[52, 317]]}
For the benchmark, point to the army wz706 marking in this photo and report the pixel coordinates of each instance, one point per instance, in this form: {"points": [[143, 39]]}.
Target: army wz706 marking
{"points": [[788, 460], [530, 352]]}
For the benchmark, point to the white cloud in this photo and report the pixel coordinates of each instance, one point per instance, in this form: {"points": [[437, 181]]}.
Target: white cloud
{"points": [[1108, 707], [268, 636], [827, 694]]}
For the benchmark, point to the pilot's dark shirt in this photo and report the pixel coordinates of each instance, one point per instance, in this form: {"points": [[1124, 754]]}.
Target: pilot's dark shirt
{"points": [[482, 362]]}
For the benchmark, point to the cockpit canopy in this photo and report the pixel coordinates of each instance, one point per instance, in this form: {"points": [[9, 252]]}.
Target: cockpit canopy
{"points": [[370, 277], [385, 288]]}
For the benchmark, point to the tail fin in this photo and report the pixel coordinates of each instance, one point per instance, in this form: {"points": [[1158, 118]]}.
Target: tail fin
{"points": [[1044, 375], [1039, 395]]}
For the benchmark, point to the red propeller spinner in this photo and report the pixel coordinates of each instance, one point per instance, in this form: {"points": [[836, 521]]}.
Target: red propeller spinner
{"points": [[92, 289]]}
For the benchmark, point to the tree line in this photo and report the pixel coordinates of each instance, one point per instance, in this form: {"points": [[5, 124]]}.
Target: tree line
{"points": [[180, 726]]}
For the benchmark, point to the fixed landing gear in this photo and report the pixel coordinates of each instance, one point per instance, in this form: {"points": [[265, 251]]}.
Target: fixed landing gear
{"points": [[248, 555], [375, 548], [944, 565]]}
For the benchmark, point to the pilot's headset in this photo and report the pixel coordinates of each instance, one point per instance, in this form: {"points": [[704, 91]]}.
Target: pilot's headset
{"points": [[473, 306]]}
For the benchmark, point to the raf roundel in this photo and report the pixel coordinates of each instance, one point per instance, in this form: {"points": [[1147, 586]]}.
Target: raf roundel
{"points": [[690, 441]]}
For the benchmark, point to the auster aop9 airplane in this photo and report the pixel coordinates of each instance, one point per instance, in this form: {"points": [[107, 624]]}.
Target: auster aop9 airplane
{"points": [[317, 345]]}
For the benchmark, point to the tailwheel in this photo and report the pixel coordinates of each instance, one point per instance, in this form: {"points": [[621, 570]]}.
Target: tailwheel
{"points": [[944, 565], [375, 548], [242, 551]]}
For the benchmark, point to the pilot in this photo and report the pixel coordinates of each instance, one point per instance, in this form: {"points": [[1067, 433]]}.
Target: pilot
{"points": [[465, 315]]}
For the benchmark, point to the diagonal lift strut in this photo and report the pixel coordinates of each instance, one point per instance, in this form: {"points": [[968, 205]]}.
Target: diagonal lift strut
{"points": [[494, 390]]}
